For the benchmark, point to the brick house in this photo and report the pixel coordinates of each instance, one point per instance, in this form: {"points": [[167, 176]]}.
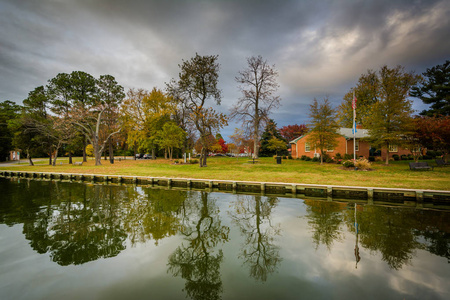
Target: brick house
{"points": [[300, 146]]}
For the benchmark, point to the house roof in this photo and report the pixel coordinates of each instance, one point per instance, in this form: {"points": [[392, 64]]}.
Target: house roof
{"points": [[294, 141], [345, 132], [348, 133]]}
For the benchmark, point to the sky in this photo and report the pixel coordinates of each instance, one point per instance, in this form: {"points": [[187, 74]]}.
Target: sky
{"points": [[319, 48]]}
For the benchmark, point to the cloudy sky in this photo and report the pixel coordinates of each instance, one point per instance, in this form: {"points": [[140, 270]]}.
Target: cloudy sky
{"points": [[320, 48]]}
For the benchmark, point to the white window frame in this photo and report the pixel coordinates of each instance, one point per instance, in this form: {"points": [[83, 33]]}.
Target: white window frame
{"points": [[393, 148], [357, 145], [307, 147]]}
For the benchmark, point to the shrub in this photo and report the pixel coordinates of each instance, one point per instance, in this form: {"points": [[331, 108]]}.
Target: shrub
{"points": [[303, 157], [307, 158], [338, 156], [339, 161], [176, 161], [371, 158], [348, 156], [403, 157], [325, 157], [290, 157], [439, 153], [426, 157], [194, 161], [348, 164], [315, 159], [363, 164], [431, 153], [396, 157], [329, 160], [410, 157]]}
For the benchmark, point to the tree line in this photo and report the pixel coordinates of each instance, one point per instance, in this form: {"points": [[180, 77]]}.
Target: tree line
{"points": [[76, 110]]}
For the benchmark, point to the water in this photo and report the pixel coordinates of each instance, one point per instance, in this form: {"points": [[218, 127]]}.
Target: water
{"points": [[61, 240]]}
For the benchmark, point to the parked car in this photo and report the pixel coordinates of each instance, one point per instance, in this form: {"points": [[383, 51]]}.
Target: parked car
{"points": [[147, 156], [139, 155]]}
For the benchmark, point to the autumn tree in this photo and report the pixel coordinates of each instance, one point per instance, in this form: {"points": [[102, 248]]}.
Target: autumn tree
{"points": [[169, 137], [239, 140], [323, 126], [367, 94], [143, 115], [133, 117], [433, 132], [435, 90], [291, 132], [258, 85], [390, 115], [197, 84], [276, 145]]}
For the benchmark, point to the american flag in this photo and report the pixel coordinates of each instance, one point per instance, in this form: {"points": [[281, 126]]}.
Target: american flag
{"points": [[354, 102]]}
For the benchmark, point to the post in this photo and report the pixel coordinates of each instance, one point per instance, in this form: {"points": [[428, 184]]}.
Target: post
{"points": [[354, 128]]}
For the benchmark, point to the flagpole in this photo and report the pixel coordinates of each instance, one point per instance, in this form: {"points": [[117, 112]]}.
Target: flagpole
{"points": [[354, 125]]}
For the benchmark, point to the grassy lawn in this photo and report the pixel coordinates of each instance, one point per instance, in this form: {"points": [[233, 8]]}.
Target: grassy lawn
{"points": [[395, 175]]}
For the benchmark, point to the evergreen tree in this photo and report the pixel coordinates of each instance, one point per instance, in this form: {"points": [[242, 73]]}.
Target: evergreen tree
{"points": [[8, 112], [435, 90], [269, 133]]}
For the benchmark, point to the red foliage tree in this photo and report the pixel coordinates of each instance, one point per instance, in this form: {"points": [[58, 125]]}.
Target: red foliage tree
{"points": [[224, 146], [291, 132], [433, 132]]}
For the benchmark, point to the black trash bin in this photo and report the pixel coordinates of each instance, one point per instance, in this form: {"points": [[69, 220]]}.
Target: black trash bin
{"points": [[279, 160]]}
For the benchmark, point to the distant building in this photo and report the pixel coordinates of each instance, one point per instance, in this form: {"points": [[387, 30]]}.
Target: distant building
{"points": [[301, 147], [14, 155]]}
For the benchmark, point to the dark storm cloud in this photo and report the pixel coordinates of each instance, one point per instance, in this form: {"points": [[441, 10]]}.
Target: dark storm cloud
{"points": [[319, 47]]}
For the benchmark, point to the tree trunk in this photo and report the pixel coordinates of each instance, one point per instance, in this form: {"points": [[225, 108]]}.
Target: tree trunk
{"points": [[97, 152], [29, 158], [84, 150], [111, 152], [50, 157], [70, 157], [56, 155], [387, 153], [153, 153]]}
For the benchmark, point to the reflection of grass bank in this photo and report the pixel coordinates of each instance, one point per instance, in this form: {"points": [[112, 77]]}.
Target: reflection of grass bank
{"points": [[397, 174]]}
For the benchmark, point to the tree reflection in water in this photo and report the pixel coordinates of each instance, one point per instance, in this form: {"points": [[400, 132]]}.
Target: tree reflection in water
{"points": [[78, 224], [198, 261], [324, 219], [252, 213]]}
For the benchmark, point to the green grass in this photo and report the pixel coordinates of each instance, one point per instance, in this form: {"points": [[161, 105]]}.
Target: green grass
{"points": [[395, 175]]}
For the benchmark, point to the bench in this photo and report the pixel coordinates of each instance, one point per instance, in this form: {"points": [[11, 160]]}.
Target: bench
{"points": [[253, 161], [442, 163], [419, 166], [78, 163]]}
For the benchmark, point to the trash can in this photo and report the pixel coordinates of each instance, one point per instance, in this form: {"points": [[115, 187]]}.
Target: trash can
{"points": [[279, 160]]}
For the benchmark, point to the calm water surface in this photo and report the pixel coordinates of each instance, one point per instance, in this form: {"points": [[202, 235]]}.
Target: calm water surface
{"points": [[61, 240]]}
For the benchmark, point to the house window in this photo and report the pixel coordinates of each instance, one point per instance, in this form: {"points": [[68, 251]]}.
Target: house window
{"points": [[307, 147], [356, 145], [330, 148], [393, 148]]}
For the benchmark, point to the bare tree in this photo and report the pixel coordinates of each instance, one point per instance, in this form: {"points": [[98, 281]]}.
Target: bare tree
{"points": [[198, 82], [258, 86]]}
